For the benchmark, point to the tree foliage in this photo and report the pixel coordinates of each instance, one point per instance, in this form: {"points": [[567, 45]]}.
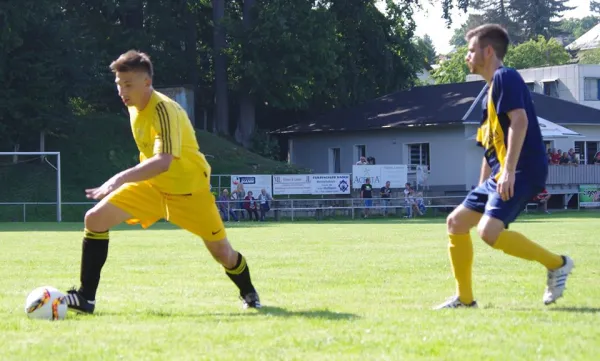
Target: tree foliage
{"points": [[452, 70], [537, 53], [589, 56], [426, 50], [267, 62], [533, 53]]}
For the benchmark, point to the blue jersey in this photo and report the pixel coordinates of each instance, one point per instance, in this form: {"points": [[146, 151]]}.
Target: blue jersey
{"points": [[508, 92]]}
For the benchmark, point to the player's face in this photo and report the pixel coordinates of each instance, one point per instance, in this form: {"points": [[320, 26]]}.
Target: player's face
{"points": [[133, 87], [475, 56]]}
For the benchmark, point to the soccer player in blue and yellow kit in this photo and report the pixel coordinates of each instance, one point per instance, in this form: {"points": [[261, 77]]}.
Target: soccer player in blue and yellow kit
{"points": [[172, 181], [514, 169]]}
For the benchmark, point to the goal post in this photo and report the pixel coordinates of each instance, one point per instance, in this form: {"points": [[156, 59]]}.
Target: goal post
{"points": [[58, 175]]}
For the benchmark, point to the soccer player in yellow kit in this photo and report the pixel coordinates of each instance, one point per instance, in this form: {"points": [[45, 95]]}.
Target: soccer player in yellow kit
{"points": [[172, 181]]}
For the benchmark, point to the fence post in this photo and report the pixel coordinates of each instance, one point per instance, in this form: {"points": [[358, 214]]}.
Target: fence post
{"points": [[24, 213], [292, 210]]}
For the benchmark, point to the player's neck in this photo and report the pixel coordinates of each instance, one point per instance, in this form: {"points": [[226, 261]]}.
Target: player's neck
{"points": [[488, 72], [145, 100]]}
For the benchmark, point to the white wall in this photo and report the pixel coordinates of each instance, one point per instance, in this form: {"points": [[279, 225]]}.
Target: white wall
{"points": [[570, 85], [567, 84], [588, 71], [446, 146], [473, 157]]}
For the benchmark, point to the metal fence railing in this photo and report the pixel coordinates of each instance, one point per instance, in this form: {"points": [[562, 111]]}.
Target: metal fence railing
{"points": [[278, 208]]}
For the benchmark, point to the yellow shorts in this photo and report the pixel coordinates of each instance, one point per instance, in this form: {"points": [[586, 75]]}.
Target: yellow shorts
{"points": [[196, 212]]}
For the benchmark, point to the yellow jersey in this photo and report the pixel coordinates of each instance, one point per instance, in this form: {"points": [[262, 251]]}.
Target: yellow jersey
{"points": [[164, 127]]}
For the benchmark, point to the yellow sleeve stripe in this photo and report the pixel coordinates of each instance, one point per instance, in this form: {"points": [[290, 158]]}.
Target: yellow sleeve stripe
{"points": [[165, 123]]}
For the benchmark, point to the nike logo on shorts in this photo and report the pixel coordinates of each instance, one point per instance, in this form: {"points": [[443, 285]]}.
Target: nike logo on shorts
{"points": [[214, 233]]}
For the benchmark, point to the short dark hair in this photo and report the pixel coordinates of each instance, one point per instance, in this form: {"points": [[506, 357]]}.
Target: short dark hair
{"points": [[493, 35], [133, 60]]}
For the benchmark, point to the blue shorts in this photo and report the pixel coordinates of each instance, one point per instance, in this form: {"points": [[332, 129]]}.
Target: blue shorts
{"points": [[368, 202], [485, 199]]}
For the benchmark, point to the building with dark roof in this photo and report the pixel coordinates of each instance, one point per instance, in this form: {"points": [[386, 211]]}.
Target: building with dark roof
{"points": [[429, 125]]}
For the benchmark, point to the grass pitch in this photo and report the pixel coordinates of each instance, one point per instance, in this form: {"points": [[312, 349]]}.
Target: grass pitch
{"points": [[359, 290]]}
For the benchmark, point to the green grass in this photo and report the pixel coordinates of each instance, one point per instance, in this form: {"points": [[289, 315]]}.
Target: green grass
{"points": [[332, 291]]}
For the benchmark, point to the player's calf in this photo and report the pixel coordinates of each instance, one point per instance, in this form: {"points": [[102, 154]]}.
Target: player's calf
{"points": [[236, 269]]}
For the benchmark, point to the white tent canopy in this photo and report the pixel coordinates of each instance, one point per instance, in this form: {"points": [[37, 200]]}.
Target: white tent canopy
{"points": [[551, 130]]}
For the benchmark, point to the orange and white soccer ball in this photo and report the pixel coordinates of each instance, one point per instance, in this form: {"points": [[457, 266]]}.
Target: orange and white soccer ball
{"points": [[46, 303]]}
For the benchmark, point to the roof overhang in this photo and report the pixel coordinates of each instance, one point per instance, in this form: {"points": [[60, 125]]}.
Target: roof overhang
{"points": [[552, 130]]}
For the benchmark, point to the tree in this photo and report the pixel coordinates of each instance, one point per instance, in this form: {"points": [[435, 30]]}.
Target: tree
{"points": [[589, 56], [574, 27], [474, 20], [533, 53], [247, 119], [426, 50], [537, 53], [39, 71], [536, 17], [220, 66], [595, 6], [452, 70]]}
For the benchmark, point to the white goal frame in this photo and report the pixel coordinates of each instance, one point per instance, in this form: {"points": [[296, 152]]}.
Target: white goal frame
{"points": [[58, 178]]}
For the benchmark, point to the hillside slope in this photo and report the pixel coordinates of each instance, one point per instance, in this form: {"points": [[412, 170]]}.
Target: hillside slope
{"points": [[92, 150]]}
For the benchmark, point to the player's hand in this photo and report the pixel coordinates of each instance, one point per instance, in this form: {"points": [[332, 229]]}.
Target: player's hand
{"points": [[107, 188], [506, 185]]}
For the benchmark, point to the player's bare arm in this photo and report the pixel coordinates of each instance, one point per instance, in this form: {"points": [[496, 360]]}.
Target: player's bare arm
{"points": [[516, 136], [148, 169], [485, 171]]}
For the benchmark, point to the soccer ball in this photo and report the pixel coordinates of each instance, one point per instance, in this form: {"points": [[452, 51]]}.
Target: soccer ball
{"points": [[46, 303]]}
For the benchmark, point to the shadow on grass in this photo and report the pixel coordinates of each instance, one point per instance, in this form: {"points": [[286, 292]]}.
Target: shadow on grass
{"points": [[576, 309], [266, 311]]}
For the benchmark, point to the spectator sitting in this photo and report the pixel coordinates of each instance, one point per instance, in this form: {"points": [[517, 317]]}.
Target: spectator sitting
{"points": [[420, 204], [238, 195], [225, 206], [564, 159], [409, 199], [250, 206], [371, 160], [572, 156], [597, 158], [263, 199], [556, 157], [542, 200]]}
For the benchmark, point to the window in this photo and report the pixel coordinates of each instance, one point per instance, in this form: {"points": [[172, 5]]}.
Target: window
{"points": [[419, 154], [360, 151], [550, 88], [590, 89], [334, 160], [530, 86], [548, 144], [587, 151]]}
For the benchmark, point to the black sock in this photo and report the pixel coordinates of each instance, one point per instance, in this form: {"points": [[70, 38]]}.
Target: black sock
{"points": [[240, 275], [93, 256]]}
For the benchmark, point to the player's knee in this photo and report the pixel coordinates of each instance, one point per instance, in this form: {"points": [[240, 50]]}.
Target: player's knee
{"points": [[488, 234], [95, 221], [454, 226]]}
